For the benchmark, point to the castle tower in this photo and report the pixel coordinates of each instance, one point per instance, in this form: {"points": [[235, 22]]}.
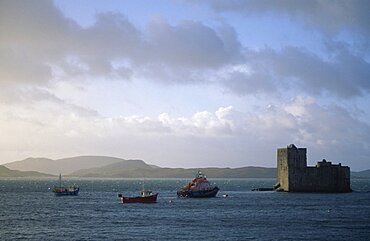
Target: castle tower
{"points": [[295, 176], [291, 162]]}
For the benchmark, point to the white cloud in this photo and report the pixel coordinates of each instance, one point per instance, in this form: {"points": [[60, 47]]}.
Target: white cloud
{"points": [[223, 137]]}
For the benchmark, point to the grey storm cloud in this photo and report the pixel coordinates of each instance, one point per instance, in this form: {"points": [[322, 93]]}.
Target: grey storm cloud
{"points": [[41, 38], [347, 75], [342, 69], [40, 42], [329, 16], [192, 44]]}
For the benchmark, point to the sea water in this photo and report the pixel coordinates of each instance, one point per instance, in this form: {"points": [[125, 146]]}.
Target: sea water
{"points": [[30, 211]]}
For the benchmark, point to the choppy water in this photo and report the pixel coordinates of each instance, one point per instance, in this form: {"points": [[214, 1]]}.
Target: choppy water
{"points": [[30, 211]]}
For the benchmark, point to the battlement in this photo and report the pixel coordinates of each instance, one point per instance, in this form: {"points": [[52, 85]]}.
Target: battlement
{"points": [[295, 176]]}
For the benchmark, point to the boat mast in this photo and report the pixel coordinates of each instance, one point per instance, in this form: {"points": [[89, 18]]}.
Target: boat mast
{"points": [[60, 180]]}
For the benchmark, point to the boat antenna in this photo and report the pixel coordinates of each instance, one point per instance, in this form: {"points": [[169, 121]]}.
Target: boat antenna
{"points": [[60, 180], [143, 183]]}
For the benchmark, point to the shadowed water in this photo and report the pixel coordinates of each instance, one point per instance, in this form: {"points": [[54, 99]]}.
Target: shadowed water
{"points": [[30, 211]]}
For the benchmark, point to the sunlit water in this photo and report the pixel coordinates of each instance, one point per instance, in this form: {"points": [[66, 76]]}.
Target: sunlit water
{"points": [[30, 211]]}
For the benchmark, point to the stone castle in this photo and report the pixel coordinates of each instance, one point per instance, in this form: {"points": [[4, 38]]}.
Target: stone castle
{"points": [[294, 175]]}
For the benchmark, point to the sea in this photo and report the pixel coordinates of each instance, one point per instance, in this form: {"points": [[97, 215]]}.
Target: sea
{"points": [[30, 211]]}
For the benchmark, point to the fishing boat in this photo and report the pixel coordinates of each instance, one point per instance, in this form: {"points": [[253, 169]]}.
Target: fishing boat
{"points": [[199, 187], [65, 191], [146, 196]]}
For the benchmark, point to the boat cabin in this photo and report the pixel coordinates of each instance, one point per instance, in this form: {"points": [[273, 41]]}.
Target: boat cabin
{"points": [[146, 193]]}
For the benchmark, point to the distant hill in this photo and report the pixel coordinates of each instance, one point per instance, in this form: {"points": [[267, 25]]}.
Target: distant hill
{"points": [[128, 167], [65, 165], [139, 169], [361, 174], [103, 166], [6, 172]]}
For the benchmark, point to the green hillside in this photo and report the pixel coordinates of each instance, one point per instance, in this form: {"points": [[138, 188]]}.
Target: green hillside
{"points": [[6, 172], [139, 169]]}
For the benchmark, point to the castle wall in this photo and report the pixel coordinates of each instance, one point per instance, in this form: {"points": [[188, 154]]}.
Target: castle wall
{"points": [[321, 179], [295, 176]]}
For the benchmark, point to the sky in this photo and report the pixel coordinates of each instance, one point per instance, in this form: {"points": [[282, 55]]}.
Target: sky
{"points": [[185, 83]]}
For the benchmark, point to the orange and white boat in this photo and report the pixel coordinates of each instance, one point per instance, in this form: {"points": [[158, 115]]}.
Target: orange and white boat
{"points": [[199, 187]]}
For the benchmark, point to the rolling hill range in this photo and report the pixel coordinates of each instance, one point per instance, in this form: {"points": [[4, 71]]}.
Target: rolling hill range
{"points": [[361, 174], [111, 167], [102, 166], [6, 172], [138, 169], [65, 165]]}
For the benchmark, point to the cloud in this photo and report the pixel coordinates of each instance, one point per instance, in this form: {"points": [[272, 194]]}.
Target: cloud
{"points": [[191, 44], [31, 41], [17, 67], [42, 38], [186, 52], [205, 138], [41, 46], [40, 49], [345, 75], [331, 17], [340, 68], [42, 33]]}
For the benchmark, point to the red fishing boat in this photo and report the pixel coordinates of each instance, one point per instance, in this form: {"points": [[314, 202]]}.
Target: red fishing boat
{"points": [[146, 196]]}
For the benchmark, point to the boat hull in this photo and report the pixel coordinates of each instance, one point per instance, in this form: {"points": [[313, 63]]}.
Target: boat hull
{"points": [[147, 199], [198, 194], [66, 193]]}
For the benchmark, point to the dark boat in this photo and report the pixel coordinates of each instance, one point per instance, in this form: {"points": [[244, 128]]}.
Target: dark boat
{"points": [[65, 191], [146, 196], [199, 187]]}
